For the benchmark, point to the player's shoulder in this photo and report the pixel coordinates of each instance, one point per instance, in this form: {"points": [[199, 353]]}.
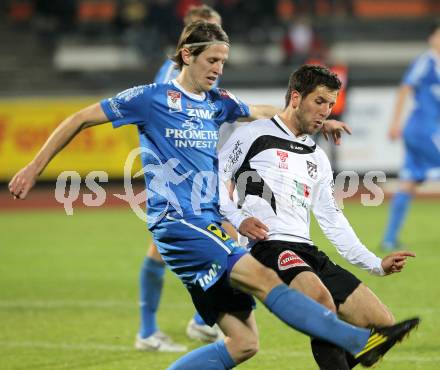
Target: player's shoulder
{"points": [[135, 91], [167, 72], [253, 130], [423, 60], [322, 156]]}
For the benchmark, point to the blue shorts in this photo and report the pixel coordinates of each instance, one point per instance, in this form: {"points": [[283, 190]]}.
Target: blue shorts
{"points": [[422, 151], [202, 254]]}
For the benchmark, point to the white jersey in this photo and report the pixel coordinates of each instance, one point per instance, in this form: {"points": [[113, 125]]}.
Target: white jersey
{"points": [[278, 179]]}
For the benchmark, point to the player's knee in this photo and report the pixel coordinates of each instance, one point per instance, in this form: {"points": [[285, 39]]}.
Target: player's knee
{"points": [[323, 297], [246, 348]]}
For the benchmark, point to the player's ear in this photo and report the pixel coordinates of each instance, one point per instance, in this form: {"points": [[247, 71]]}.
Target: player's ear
{"points": [[186, 56], [295, 99]]}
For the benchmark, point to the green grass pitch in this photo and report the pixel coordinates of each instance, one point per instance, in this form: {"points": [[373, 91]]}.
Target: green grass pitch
{"points": [[68, 293]]}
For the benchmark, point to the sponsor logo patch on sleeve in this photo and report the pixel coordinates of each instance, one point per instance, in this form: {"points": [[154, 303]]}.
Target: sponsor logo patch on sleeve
{"points": [[288, 259], [174, 100]]}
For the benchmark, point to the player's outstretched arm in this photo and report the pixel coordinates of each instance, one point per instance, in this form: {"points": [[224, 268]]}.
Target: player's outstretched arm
{"points": [[261, 111], [395, 262], [25, 179], [394, 131]]}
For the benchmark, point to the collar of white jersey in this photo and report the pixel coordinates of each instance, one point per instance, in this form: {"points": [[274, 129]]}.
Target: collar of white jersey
{"points": [[303, 139], [187, 93]]}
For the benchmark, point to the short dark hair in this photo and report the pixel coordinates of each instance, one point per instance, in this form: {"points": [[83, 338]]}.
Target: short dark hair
{"points": [[306, 78], [434, 26], [204, 12], [199, 31]]}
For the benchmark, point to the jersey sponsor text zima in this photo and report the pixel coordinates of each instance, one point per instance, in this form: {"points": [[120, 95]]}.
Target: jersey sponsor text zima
{"points": [[278, 179], [178, 136]]}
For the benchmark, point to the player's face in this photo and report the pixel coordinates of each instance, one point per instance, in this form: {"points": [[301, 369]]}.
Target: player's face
{"points": [[207, 67], [434, 40], [209, 20], [314, 109]]}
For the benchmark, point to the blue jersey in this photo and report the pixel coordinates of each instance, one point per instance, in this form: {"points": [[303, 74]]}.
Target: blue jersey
{"points": [[421, 134], [178, 134], [168, 72], [424, 77]]}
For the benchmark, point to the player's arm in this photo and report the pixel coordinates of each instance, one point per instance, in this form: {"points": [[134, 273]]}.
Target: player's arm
{"points": [[331, 128], [231, 157], [404, 92], [339, 231], [261, 111], [335, 129], [24, 180]]}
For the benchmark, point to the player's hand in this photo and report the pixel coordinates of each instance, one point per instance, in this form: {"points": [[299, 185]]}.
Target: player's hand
{"points": [[395, 261], [23, 181], [253, 228], [394, 132], [334, 129]]}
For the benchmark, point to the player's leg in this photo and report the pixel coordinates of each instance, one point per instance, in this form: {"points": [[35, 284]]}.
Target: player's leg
{"points": [[413, 172], [294, 308], [232, 310], [293, 270], [309, 317], [398, 210], [197, 328], [363, 308], [151, 284], [355, 303], [150, 338], [327, 355], [240, 344]]}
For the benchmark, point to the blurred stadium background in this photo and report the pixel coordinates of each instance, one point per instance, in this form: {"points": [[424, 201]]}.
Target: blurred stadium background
{"points": [[68, 285]]}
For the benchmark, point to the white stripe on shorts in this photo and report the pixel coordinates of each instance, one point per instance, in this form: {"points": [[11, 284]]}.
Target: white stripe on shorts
{"points": [[205, 232]]}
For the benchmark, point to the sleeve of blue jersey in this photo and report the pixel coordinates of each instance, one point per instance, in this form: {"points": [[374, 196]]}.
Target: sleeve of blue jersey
{"points": [[232, 107], [167, 72], [130, 106], [417, 70]]}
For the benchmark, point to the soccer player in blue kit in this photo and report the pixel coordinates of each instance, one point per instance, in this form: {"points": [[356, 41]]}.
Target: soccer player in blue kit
{"points": [[421, 134], [178, 126], [149, 337]]}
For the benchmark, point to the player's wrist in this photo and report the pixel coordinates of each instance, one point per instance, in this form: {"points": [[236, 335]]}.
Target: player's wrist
{"points": [[237, 219]]}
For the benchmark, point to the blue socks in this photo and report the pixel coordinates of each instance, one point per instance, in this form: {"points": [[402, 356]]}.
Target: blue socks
{"points": [[213, 356], [198, 319], [311, 318], [399, 208], [151, 282]]}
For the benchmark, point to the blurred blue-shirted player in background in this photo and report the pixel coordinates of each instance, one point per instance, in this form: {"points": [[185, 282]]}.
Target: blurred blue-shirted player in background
{"points": [[178, 125], [421, 133], [149, 337]]}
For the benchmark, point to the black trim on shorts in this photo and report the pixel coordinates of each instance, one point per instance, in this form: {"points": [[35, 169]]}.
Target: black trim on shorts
{"points": [[340, 282]]}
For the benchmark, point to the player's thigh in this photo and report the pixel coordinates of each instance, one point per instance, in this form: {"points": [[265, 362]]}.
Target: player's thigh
{"points": [[252, 277], [240, 329], [308, 283], [363, 308]]}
